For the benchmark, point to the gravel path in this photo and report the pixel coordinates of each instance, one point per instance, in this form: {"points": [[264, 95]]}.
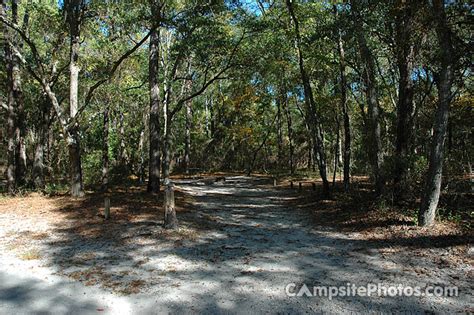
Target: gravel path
{"points": [[243, 245]]}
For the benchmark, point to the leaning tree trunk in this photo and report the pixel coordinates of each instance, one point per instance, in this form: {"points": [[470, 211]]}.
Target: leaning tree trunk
{"points": [[315, 124], [375, 134], [445, 78], [154, 120]]}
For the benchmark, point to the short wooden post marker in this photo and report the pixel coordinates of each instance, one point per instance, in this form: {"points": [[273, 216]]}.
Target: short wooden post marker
{"points": [[107, 208]]}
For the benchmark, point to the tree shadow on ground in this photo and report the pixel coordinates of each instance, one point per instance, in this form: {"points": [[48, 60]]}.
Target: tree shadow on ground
{"points": [[241, 241]]}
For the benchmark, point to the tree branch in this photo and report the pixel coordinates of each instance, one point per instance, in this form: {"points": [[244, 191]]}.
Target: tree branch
{"points": [[206, 83], [109, 75]]}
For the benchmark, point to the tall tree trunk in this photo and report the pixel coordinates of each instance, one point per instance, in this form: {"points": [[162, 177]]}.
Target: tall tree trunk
{"points": [[105, 148], [141, 149], [346, 153], [40, 146], [279, 102], [77, 190], [74, 17], [154, 120], [123, 154], [336, 151], [187, 140], [11, 113], [20, 151], [20, 126], [315, 125], [170, 220], [290, 135], [405, 107], [375, 149], [444, 82], [167, 143]]}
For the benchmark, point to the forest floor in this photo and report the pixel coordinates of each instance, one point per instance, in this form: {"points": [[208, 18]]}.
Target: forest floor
{"points": [[240, 242]]}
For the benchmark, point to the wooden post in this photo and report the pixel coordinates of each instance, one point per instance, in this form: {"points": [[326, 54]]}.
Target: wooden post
{"points": [[314, 186], [300, 186], [291, 184], [107, 208], [170, 215]]}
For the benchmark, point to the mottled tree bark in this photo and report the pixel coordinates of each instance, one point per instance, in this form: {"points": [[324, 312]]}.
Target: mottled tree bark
{"points": [[444, 81], [74, 11], [170, 220]]}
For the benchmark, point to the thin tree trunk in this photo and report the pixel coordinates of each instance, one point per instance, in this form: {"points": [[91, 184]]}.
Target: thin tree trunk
{"points": [[154, 120], [141, 149], [315, 125], [187, 140], [290, 135], [167, 143], [123, 154], [375, 137], [336, 152], [105, 148], [432, 191], [279, 102], [346, 153]]}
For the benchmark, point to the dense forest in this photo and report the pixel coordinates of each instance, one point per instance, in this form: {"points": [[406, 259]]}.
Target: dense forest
{"points": [[265, 120], [95, 92]]}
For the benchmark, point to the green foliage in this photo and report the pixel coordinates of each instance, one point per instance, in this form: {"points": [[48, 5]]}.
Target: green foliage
{"points": [[241, 118]]}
